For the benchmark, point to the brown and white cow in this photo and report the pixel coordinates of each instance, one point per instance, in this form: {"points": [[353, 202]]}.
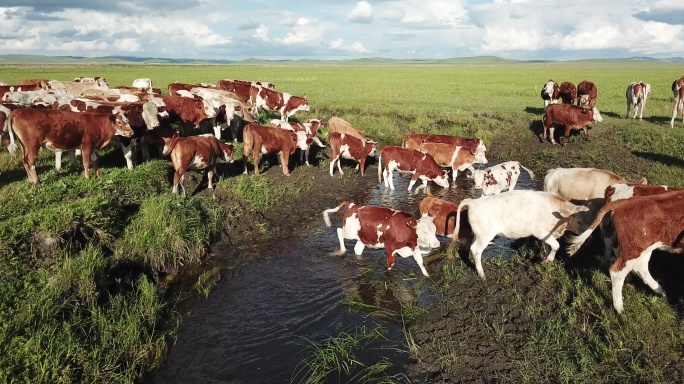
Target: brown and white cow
{"points": [[567, 92], [570, 116], [405, 160], [258, 139], [64, 130], [515, 215], [306, 133], [196, 153], [398, 232], [643, 224], [443, 213], [678, 102], [550, 93], [190, 112], [241, 88], [15, 88], [351, 148], [586, 94], [621, 191], [415, 140], [339, 125], [283, 103], [498, 178], [586, 186], [34, 82], [453, 156], [637, 93]]}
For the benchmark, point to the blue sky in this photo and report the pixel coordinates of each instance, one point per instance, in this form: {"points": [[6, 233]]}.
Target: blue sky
{"points": [[341, 29]]}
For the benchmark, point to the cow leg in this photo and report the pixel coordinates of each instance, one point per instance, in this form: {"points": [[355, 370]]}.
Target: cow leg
{"points": [[362, 165], [210, 178], [332, 165], [418, 256], [641, 110], [454, 173], [553, 243], [414, 178], [29, 160], [422, 186], [358, 247], [386, 175], [72, 157], [177, 176], [389, 253], [617, 278], [586, 133], [58, 161], [284, 159], [255, 160], [629, 104], [86, 154], [339, 166], [128, 153], [641, 268], [552, 131], [340, 236], [476, 249]]}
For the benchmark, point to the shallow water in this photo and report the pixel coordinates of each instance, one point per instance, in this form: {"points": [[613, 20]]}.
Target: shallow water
{"points": [[257, 322]]}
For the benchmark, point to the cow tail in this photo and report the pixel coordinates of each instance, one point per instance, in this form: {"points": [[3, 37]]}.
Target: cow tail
{"points": [[331, 210], [318, 142], [454, 237], [379, 166], [10, 127], [577, 241], [528, 171]]}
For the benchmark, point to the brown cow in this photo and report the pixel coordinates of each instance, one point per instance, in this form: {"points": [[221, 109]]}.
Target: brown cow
{"points": [[415, 140], [570, 116], [586, 94], [336, 124], [258, 139], [283, 103], [243, 89], [453, 156], [190, 112], [197, 153], [621, 191], [351, 148], [678, 89], [567, 92], [34, 82], [443, 213], [306, 135], [381, 227], [550, 93], [421, 165], [64, 130], [643, 224]]}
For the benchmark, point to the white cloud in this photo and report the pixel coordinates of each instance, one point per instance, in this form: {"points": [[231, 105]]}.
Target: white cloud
{"points": [[261, 33], [355, 47], [362, 13], [127, 45]]}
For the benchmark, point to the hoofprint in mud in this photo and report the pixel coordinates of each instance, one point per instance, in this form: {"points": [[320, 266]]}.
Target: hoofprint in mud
{"points": [[381, 227], [515, 215], [498, 178]]}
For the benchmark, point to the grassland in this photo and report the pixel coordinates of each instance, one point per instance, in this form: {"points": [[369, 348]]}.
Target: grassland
{"points": [[86, 266]]}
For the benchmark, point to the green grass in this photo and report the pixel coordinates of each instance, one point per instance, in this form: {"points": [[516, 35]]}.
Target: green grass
{"points": [[80, 296]]}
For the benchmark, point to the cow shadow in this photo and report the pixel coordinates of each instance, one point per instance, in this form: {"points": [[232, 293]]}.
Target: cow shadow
{"points": [[660, 158], [664, 120], [534, 110], [610, 114]]}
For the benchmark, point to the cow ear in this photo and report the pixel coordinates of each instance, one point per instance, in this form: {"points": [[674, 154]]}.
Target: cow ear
{"points": [[412, 223]]}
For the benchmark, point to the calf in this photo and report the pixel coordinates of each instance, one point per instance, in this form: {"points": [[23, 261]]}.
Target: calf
{"points": [[679, 101], [283, 103], [451, 155], [567, 92], [258, 139], [64, 130], [381, 227], [570, 116], [415, 140], [621, 191], [643, 224], [586, 94], [351, 148], [336, 124], [550, 93], [306, 132], [586, 186], [515, 215], [196, 152], [636, 94], [421, 165], [443, 213], [498, 178]]}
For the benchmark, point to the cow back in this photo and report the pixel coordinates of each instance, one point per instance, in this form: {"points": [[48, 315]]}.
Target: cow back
{"points": [[336, 124]]}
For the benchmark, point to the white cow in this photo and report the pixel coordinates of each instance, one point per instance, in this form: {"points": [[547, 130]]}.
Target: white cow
{"points": [[637, 93], [515, 215], [145, 83], [498, 178]]}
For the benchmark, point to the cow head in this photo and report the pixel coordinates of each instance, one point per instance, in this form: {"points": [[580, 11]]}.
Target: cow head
{"points": [[426, 231], [227, 151], [480, 155], [372, 147], [303, 140], [120, 122], [479, 176], [442, 180]]}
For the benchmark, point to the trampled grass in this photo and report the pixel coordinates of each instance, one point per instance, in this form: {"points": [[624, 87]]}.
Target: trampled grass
{"points": [[73, 313]]}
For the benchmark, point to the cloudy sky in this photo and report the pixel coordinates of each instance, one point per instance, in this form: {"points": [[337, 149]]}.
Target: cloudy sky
{"points": [[344, 29]]}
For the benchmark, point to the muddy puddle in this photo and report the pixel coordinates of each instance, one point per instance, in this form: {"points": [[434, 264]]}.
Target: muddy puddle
{"points": [[258, 321]]}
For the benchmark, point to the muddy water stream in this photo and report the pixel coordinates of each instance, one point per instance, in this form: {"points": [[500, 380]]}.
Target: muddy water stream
{"points": [[257, 322]]}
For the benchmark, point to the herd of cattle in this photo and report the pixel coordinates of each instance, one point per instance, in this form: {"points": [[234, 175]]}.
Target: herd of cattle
{"points": [[85, 114]]}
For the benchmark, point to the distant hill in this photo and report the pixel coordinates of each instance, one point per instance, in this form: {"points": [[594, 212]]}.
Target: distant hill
{"points": [[479, 60]]}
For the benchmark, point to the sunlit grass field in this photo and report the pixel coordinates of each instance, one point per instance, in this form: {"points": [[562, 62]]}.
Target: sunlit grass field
{"points": [[85, 263]]}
